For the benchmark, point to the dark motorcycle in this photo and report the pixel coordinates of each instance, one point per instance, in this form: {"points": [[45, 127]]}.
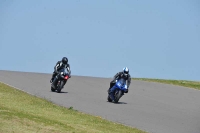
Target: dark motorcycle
{"points": [[119, 91], [61, 79]]}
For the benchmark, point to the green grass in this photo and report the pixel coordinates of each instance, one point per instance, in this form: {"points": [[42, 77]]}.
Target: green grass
{"points": [[24, 113], [185, 83]]}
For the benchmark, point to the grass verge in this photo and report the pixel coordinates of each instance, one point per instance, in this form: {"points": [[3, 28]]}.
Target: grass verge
{"points": [[24, 113], [185, 83]]}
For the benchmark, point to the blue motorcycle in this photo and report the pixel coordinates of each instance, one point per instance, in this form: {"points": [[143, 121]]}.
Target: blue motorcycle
{"points": [[120, 86]]}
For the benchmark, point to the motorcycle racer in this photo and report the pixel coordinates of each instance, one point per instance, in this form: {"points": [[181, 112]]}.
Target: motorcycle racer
{"points": [[122, 74], [59, 65]]}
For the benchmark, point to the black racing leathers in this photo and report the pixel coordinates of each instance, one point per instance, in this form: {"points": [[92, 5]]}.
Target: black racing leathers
{"points": [[59, 65]]}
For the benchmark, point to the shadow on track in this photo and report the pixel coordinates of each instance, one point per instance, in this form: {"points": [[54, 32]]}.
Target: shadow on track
{"points": [[118, 102], [60, 92], [63, 92]]}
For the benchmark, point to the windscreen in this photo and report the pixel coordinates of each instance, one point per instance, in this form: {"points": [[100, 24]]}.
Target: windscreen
{"points": [[64, 70], [122, 81]]}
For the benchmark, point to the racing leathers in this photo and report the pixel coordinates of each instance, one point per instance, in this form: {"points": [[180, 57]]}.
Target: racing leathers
{"points": [[59, 65]]}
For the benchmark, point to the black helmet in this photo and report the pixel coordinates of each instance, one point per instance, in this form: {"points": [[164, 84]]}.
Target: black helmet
{"points": [[64, 60]]}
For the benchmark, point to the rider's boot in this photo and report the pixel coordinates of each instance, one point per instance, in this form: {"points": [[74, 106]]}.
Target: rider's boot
{"points": [[51, 80], [112, 97], [54, 82], [53, 76]]}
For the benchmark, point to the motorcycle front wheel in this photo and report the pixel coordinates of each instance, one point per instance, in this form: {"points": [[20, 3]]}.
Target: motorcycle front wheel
{"points": [[60, 85], [118, 96]]}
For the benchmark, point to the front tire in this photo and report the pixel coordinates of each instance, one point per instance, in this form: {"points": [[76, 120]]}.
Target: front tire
{"points": [[60, 86], [118, 96]]}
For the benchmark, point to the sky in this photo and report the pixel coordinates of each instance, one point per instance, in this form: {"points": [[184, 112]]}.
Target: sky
{"points": [[154, 39]]}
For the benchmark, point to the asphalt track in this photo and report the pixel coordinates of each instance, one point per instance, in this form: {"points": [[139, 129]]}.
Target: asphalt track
{"points": [[153, 107]]}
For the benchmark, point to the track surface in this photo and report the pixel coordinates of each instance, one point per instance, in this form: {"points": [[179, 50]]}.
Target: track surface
{"points": [[153, 107]]}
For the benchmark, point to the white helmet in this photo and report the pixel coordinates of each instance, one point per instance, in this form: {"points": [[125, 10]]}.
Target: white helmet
{"points": [[125, 71]]}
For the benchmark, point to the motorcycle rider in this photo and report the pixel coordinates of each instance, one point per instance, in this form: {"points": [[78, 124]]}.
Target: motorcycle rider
{"points": [[122, 74], [59, 65]]}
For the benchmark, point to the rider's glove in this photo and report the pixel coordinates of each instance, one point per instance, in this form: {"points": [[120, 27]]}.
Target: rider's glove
{"points": [[126, 91]]}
